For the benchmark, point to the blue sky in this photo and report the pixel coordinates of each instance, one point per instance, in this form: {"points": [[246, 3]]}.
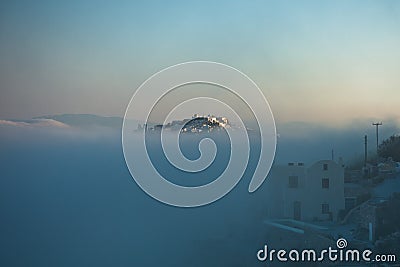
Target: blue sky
{"points": [[316, 61]]}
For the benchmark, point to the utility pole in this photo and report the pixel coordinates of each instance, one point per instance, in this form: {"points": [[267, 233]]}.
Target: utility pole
{"points": [[377, 124], [365, 150]]}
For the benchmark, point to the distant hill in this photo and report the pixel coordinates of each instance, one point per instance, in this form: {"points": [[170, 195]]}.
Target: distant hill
{"points": [[85, 120]]}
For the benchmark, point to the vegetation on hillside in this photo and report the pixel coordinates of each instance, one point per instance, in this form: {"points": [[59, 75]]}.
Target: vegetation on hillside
{"points": [[390, 148]]}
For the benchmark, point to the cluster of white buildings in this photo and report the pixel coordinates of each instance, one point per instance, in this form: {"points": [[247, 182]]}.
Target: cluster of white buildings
{"points": [[208, 123], [220, 121]]}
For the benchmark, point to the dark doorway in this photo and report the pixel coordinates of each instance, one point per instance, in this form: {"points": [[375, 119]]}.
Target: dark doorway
{"points": [[297, 210]]}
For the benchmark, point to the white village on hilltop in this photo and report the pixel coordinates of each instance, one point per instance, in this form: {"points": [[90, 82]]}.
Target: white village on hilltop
{"points": [[197, 124]]}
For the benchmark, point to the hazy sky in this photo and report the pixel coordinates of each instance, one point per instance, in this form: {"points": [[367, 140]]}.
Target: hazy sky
{"points": [[316, 61]]}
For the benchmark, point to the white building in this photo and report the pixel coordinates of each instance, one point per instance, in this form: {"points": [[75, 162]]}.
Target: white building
{"points": [[307, 194]]}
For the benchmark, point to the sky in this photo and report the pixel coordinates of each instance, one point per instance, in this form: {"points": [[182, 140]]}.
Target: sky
{"points": [[328, 62]]}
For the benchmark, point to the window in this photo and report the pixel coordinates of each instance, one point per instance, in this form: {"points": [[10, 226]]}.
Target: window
{"points": [[293, 181], [325, 166], [325, 208], [325, 183]]}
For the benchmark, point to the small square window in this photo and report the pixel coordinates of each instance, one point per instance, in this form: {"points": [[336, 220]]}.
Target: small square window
{"points": [[293, 181], [325, 166], [325, 183], [325, 208]]}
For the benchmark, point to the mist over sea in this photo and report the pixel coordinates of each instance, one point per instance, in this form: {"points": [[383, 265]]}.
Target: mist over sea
{"points": [[68, 199]]}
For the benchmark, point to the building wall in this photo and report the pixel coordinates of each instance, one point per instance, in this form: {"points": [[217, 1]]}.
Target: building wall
{"points": [[293, 194], [333, 195], [309, 193]]}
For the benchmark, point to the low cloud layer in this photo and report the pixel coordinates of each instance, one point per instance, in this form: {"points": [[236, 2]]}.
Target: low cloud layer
{"points": [[297, 141], [34, 123]]}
